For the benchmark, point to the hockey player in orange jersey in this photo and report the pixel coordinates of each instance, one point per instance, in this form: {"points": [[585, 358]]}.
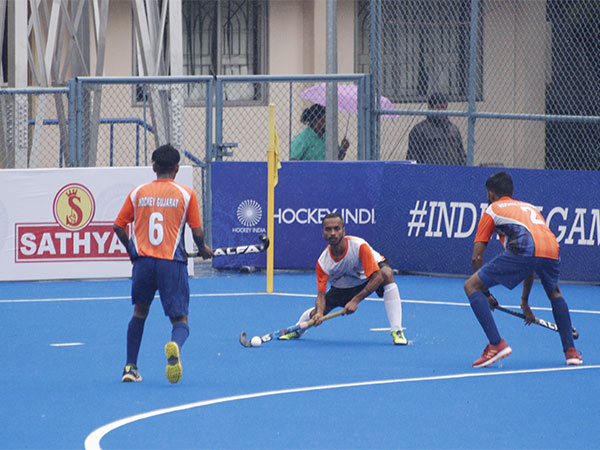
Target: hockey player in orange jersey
{"points": [[530, 248], [159, 211]]}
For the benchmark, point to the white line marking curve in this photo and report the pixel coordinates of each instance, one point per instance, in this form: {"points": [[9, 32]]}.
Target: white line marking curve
{"points": [[92, 442]]}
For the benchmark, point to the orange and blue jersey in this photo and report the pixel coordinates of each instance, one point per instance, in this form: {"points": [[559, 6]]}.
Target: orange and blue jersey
{"points": [[521, 227], [352, 269], [159, 211]]}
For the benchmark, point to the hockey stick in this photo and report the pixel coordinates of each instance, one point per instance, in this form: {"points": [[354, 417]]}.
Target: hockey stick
{"points": [[538, 321], [277, 333], [241, 249]]}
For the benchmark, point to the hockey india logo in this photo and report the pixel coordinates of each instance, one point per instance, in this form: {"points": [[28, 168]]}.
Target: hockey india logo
{"points": [[74, 207], [249, 213]]}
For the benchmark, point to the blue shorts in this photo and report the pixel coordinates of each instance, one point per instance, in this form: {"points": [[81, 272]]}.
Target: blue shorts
{"points": [[509, 270], [170, 278]]}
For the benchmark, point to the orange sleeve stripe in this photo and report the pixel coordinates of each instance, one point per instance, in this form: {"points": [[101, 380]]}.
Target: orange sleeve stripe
{"points": [[321, 278], [193, 213], [368, 261], [485, 229], [126, 214]]}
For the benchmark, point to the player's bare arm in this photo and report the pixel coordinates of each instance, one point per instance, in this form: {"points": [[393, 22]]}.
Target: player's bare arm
{"points": [[317, 314], [203, 250], [122, 235], [477, 256]]}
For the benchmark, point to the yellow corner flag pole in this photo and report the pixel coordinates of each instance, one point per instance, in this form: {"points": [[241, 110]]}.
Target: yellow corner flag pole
{"points": [[273, 165]]}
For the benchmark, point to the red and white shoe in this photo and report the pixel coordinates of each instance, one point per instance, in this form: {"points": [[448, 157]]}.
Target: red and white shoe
{"points": [[573, 357], [493, 353]]}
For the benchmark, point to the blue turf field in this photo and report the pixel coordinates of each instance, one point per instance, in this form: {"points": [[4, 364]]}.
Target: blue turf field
{"points": [[343, 385]]}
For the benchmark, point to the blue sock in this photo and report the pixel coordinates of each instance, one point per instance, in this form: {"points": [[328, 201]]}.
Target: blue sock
{"points": [[135, 330], [560, 311], [180, 333], [481, 308]]}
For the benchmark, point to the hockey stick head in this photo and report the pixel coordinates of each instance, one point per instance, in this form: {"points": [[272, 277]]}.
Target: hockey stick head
{"points": [[240, 249], [245, 342], [538, 321], [265, 241]]}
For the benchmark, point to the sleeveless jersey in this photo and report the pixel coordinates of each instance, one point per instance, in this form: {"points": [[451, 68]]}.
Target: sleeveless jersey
{"points": [[522, 229], [358, 263], [159, 211]]}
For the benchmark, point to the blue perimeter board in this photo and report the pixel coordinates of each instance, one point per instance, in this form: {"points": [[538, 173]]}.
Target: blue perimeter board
{"points": [[422, 218]]}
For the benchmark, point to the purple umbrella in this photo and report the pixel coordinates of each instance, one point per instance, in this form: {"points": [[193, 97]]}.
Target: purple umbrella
{"points": [[347, 97]]}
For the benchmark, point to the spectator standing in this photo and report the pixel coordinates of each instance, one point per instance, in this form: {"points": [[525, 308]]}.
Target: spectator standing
{"points": [[436, 140]]}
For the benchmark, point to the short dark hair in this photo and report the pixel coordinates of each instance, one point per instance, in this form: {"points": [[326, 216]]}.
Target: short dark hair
{"points": [[501, 184], [312, 113], [166, 157], [437, 98], [333, 215]]}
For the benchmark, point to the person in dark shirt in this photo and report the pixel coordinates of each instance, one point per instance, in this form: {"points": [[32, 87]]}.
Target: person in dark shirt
{"points": [[436, 140]]}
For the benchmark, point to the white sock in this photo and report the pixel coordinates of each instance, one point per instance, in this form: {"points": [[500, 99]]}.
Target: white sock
{"points": [[305, 317], [393, 306]]}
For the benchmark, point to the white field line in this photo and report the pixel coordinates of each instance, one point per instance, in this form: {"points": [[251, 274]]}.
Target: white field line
{"points": [[92, 442], [67, 344], [283, 294]]}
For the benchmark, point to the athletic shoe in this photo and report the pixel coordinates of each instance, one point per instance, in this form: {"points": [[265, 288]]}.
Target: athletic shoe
{"points": [[289, 336], [131, 374], [398, 338], [493, 353], [573, 358], [174, 369]]}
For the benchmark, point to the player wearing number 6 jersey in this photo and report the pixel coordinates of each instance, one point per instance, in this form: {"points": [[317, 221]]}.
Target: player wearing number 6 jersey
{"points": [[354, 270], [159, 211], [530, 248]]}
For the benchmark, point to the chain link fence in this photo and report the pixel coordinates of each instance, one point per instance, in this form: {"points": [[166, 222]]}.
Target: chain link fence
{"points": [[241, 131], [120, 121], [110, 122], [521, 79], [34, 129]]}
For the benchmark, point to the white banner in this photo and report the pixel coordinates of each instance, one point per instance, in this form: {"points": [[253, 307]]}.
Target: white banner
{"points": [[57, 223]]}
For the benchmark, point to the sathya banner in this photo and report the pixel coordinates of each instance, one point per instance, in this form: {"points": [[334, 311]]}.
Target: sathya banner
{"points": [[58, 223], [422, 218]]}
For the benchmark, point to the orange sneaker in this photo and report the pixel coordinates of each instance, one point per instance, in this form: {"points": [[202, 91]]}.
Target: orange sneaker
{"points": [[493, 353], [573, 357]]}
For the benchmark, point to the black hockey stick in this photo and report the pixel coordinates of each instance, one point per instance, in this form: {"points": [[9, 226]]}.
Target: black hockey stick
{"points": [[277, 333], [241, 249], [538, 321]]}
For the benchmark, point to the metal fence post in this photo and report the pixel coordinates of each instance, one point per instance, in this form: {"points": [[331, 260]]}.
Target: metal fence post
{"points": [[72, 121], [207, 182], [472, 80], [375, 88], [79, 121]]}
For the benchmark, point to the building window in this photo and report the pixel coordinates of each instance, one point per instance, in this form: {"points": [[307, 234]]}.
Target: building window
{"points": [[220, 37], [424, 47], [226, 37]]}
